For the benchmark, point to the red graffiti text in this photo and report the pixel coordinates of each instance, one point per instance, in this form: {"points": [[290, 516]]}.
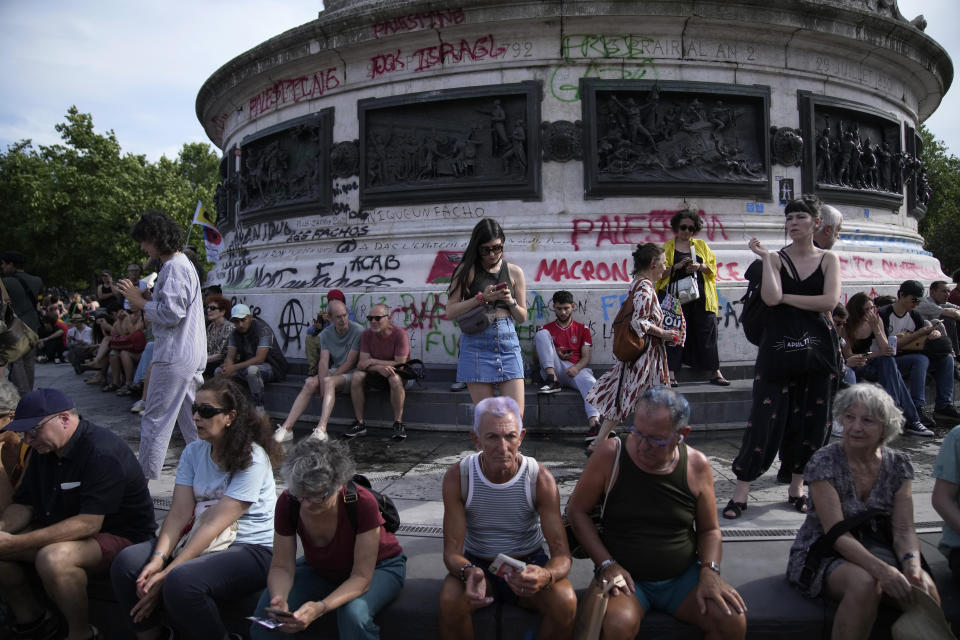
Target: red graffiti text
{"points": [[480, 49], [293, 90], [418, 21], [559, 270], [636, 229]]}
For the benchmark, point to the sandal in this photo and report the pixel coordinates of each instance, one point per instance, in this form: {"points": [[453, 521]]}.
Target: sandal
{"points": [[736, 508], [674, 383], [798, 502], [720, 381]]}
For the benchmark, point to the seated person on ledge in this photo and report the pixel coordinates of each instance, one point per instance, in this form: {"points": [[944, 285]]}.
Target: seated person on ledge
{"points": [[846, 479], [82, 499], [660, 527], [494, 502], [339, 351], [563, 348], [311, 342], [253, 354], [382, 347]]}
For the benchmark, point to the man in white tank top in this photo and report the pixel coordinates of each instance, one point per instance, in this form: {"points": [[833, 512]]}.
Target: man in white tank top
{"points": [[500, 502]]}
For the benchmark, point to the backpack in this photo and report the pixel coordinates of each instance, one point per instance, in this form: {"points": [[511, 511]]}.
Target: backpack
{"points": [[755, 314], [388, 510], [627, 345]]}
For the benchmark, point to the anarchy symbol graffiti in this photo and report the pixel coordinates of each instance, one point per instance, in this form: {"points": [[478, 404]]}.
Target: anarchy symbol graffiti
{"points": [[291, 322]]}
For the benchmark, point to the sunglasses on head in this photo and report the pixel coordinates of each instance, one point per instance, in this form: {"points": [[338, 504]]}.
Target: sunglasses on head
{"points": [[684, 227], [207, 411], [372, 318], [485, 251]]}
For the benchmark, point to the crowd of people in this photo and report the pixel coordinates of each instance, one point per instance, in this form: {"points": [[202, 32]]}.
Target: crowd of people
{"points": [[75, 500]]}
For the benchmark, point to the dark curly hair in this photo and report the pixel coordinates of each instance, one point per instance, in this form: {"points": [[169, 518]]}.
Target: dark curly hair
{"points": [[562, 297], [484, 231], [158, 227], [248, 427], [222, 303], [687, 213], [644, 255]]}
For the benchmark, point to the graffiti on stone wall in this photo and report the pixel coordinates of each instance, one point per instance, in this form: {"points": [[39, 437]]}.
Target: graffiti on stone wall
{"points": [[436, 19], [426, 58], [293, 90], [632, 229]]}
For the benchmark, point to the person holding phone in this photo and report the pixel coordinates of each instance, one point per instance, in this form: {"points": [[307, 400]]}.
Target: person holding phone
{"points": [[351, 566], [483, 278], [690, 256], [227, 476]]}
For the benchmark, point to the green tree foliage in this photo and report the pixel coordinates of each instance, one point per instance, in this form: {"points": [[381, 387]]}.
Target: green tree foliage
{"points": [[69, 207], [941, 226]]}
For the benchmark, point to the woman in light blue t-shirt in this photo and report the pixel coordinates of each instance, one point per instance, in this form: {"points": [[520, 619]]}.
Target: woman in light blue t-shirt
{"points": [[226, 475]]}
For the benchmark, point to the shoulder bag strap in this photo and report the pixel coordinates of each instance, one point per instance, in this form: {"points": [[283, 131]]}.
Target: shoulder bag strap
{"points": [[613, 475], [350, 501], [793, 269]]}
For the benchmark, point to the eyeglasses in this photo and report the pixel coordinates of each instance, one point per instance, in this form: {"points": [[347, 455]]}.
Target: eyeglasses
{"points": [[32, 432], [372, 318], [653, 441], [206, 411], [684, 227], [485, 251], [315, 498]]}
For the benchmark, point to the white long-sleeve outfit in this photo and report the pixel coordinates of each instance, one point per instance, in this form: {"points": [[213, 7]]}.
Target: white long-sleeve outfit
{"points": [[179, 356]]}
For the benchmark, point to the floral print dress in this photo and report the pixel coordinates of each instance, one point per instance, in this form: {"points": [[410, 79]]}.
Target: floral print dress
{"points": [[616, 392]]}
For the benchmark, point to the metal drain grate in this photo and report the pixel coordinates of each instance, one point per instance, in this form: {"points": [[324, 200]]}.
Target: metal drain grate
{"points": [[163, 504], [758, 533], [420, 530]]}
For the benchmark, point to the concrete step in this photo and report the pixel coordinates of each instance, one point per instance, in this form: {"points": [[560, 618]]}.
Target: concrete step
{"points": [[432, 406]]}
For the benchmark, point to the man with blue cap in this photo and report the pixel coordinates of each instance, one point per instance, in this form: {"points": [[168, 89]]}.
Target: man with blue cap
{"points": [[253, 354], [82, 499]]}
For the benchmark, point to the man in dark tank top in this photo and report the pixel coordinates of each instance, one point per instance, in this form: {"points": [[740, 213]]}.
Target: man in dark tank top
{"points": [[661, 533]]}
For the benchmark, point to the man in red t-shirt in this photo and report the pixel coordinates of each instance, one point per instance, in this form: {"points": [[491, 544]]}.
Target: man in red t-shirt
{"points": [[382, 347], [563, 347]]}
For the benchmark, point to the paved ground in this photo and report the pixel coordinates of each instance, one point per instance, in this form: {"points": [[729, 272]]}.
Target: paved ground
{"points": [[411, 471]]}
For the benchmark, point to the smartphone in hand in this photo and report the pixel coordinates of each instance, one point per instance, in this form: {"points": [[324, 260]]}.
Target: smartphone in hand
{"points": [[278, 612], [500, 285]]}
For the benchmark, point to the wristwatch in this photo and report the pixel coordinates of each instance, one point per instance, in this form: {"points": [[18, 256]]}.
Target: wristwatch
{"points": [[713, 566]]}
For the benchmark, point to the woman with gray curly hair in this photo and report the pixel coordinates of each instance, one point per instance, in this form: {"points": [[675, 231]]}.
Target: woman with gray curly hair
{"points": [[880, 557], [350, 564]]}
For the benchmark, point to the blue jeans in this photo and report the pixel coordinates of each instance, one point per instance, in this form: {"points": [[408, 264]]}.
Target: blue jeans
{"points": [[355, 618], [914, 367], [145, 359], [256, 376], [883, 370]]}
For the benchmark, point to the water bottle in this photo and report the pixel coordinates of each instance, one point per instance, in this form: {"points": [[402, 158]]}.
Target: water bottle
{"points": [[892, 339]]}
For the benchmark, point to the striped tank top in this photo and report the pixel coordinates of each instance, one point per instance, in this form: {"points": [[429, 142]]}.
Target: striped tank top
{"points": [[501, 518]]}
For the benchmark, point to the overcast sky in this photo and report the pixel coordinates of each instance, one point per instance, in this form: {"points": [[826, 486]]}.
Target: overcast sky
{"points": [[137, 66]]}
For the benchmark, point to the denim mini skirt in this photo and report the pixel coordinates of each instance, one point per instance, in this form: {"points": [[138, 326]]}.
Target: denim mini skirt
{"points": [[493, 355]]}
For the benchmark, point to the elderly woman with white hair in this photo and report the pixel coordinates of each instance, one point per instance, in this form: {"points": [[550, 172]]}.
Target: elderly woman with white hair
{"points": [[352, 567], [861, 499]]}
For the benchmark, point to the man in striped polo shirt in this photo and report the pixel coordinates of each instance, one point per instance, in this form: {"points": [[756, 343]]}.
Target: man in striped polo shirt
{"points": [[500, 502]]}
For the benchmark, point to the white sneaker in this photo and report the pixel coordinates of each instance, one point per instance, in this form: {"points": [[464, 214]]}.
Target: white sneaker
{"points": [[139, 406], [282, 435], [319, 434]]}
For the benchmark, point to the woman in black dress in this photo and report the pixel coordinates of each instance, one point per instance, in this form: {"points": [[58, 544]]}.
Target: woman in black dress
{"points": [[796, 369]]}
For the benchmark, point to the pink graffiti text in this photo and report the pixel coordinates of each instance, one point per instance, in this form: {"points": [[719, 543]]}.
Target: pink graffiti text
{"points": [[636, 229], [559, 270], [293, 90], [418, 21]]}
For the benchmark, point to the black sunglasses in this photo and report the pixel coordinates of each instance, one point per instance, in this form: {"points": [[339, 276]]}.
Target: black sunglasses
{"points": [[212, 307], [684, 227], [207, 411], [372, 318], [485, 251]]}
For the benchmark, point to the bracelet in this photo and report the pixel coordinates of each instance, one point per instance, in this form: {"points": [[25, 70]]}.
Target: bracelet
{"points": [[603, 565], [160, 555], [480, 298], [907, 556], [463, 575], [324, 603], [552, 579]]}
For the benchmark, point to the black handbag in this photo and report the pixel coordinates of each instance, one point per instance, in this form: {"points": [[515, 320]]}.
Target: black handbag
{"points": [[596, 514], [475, 320]]}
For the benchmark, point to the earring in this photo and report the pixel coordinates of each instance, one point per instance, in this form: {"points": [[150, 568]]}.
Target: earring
{"points": [[681, 439]]}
